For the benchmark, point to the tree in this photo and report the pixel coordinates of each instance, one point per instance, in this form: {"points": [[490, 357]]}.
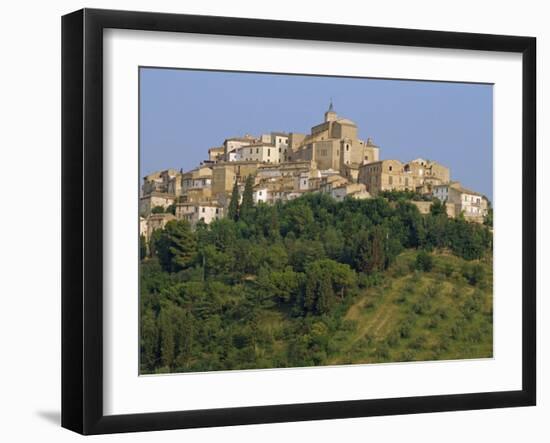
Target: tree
{"points": [[248, 199], [166, 338], [171, 209], [142, 247], [153, 242], [310, 290], [233, 209], [438, 208], [424, 261], [149, 339], [176, 246], [325, 294], [158, 210], [488, 219], [377, 250]]}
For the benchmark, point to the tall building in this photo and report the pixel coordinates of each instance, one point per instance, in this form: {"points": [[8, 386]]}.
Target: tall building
{"points": [[334, 144]]}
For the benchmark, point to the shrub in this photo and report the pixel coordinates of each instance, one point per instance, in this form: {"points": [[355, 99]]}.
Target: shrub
{"points": [[441, 313], [473, 273], [393, 339], [407, 356], [448, 270], [418, 342], [405, 330], [455, 293], [424, 261], [382, 351]]}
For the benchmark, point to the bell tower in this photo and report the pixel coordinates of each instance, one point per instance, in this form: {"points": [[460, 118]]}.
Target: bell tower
{"points": [[330, 115]]}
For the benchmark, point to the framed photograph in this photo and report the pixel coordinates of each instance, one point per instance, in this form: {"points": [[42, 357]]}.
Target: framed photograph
{"points": [[269, 221]]}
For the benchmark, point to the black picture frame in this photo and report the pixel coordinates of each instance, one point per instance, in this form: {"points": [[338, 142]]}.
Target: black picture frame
{"points": [[82, 217]]}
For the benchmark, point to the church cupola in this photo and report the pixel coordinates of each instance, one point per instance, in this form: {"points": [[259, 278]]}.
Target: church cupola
{"points": [[330, 115]]}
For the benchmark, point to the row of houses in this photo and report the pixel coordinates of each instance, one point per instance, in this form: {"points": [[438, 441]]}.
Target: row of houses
{"points": [[330, 159]]}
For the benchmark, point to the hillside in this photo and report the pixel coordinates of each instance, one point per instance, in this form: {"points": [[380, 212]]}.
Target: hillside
{"points": [[316, 282]]}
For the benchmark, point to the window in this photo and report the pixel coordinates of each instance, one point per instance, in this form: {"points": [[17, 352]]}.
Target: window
{"points": [[269, 152], [257, 150], [366, 157], [390, 180], [203, 209], [390, 168], [260, 193], [251, 150], [347, 147]]}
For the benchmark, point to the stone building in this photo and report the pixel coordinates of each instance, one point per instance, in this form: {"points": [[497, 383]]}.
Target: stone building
{"points": [[157, 221], [198, 178], [148, 202], [472, 205], [231, 145], [392, 175], [158, 181], [216, 154], [225, 174], [353, 190], [334, 144], [424, 207]]}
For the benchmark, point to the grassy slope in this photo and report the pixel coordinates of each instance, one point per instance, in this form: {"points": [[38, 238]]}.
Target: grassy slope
{"points": [[415, 316]]}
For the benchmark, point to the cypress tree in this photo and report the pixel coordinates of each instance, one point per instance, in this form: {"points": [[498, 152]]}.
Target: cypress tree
{"points": [[248, 199], [233, 210], [325, 294], [310, 291]]}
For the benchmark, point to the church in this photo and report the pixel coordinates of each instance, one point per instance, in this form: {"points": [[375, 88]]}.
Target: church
{"points": [[334, 144]]}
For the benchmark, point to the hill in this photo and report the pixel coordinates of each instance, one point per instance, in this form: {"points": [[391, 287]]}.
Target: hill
{"points": [[316, 282]]}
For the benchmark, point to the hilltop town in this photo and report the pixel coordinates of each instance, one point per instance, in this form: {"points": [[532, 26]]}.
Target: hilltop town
{"points": [[330, 159]]}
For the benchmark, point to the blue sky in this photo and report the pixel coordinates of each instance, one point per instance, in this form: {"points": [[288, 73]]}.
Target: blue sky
{"points": [[185, 112]]}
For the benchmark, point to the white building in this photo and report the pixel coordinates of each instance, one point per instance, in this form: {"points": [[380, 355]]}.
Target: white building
{"points": [[259, 152], [193, 212], [231, 145], [261, 194], [471, 204]]}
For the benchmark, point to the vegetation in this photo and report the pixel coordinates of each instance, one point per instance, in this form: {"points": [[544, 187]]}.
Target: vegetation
{"points": [[315, 282]]}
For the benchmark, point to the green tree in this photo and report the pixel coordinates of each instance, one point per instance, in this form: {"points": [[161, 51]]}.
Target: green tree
{"points": [[149, 339], [325, 295], [166, 338], [158, 210], [248, 198], [438, 208], [154, 241], [377, 250], [233, 209], [142, 247], [171, 209], [424, 261], [488, 219], [176, 246]]}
